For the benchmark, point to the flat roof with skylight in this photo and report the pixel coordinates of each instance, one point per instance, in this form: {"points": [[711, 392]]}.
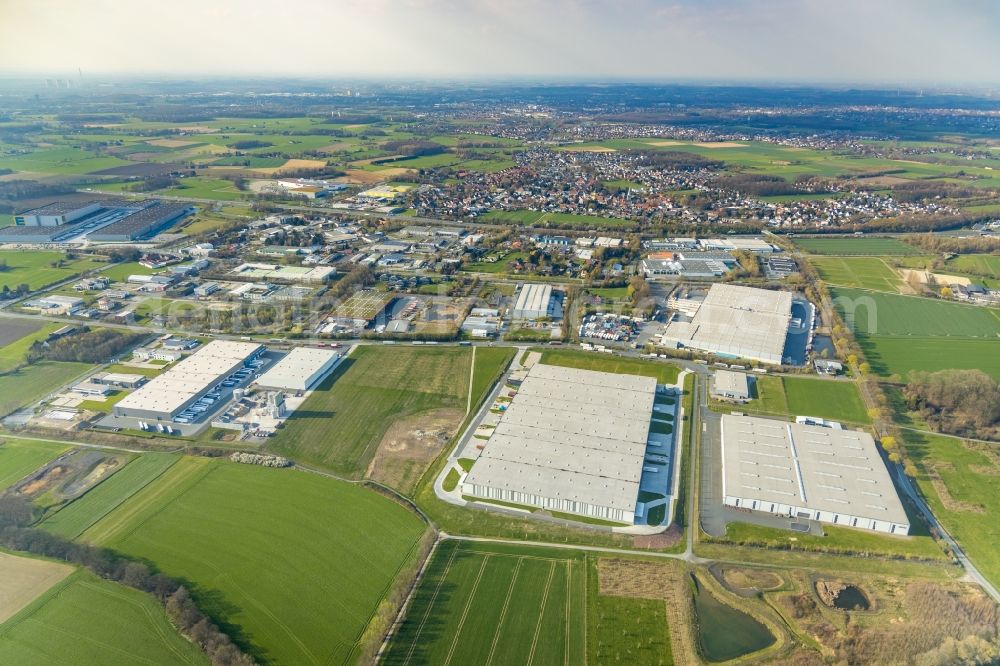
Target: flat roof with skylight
{"points": [[570, 440], [809, 472], [739, 322]]}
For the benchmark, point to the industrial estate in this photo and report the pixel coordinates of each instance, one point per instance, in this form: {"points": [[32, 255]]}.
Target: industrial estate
{"points": [[525, 374]]}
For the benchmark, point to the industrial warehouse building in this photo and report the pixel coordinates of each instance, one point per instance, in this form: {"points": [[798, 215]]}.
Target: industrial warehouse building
{"points": [[300, 370], [144, 223], [534, 301], [736, 322], [167, 395], [809, 472], [56, 214], [731, 386], [570, 440], [104, 220]]}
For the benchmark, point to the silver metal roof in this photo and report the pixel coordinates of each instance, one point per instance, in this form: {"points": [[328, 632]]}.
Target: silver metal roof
{"points": [[839, 471], [194, 375], [532, 301], [742, 321], [731, 382], [297, 367], [571, 434]]}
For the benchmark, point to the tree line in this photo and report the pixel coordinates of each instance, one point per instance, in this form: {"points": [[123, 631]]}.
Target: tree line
{"points": [[954, 245], [89, 346], [958, 402], [16, 513]]}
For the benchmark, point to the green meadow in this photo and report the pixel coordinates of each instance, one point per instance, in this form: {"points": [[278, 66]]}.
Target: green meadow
{"points": [[294, 564]]}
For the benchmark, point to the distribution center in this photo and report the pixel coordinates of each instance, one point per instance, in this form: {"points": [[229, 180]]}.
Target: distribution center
{"points": [[165, 396], [570, 440], [737, 322], [809, 472]]}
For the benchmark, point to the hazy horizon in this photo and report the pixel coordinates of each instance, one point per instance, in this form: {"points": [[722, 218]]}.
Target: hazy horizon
{"points": [[820, 42]]}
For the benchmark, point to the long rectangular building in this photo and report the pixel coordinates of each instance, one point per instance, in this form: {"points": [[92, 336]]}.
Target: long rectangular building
{"points": [[738, 322], [167, 395], [809, 472], [570, 440]]}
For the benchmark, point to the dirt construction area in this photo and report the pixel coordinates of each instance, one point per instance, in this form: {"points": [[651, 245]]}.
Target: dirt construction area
{"points": [[69, 476], [410, 445], [22, 580]]}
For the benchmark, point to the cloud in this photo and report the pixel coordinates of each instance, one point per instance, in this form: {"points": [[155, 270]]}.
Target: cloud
{"points": [[888, 41]]}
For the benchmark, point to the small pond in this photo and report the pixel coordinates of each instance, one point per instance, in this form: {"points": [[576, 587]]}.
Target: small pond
{"points": [[724, 632]]}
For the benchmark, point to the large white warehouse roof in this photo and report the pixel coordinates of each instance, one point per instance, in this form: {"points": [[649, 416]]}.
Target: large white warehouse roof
{"points": [[175, 388], [299, 369], [739, 321], [571, 435], [836, 472]]}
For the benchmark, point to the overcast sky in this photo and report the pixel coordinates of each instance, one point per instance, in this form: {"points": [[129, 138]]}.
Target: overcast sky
{"points": [[946, 42]]}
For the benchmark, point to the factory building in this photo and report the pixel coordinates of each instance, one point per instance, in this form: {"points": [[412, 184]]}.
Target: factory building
{"points": [[301, 369], [166, 395], [736, 322], [570, 440], [534, 301], [808, 472]]}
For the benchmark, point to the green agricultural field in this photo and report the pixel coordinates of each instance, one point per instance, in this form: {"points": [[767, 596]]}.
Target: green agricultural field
{"points": [[848, 246], [479, 604], [825, 398], [876, 314], [609, 293], [20, 335], [524, 217], [961, 482], [120, 272], [784, 161], [903, 333], [769, 395], [802, 396], [39, 269], [423, 162], [341, 424], [629, 630], [486, 166], [295, 562], [36, 381], [74, 518], [865, 272], [19, 458], [87, 620], [59, 161], [977, 264], [490, 362], [501, 266], [204, 188], [901, 355], [664, 372]]}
